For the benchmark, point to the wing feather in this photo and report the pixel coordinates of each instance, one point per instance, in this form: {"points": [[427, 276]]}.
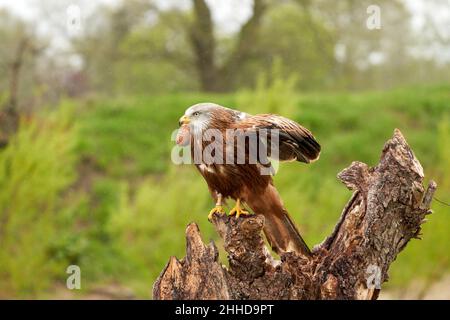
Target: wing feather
{"points": [[296, 142]]}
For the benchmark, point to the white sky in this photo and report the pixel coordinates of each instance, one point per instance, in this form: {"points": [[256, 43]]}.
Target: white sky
{"points": [[224, 11], [227, 14]]}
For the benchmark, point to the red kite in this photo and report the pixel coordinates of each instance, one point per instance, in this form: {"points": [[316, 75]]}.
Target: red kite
{"points": [[245, 182]]}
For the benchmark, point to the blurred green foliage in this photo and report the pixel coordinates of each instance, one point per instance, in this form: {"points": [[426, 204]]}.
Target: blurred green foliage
{"points": [[36, 169], [273, 93], [302, 41], [101, 191]]}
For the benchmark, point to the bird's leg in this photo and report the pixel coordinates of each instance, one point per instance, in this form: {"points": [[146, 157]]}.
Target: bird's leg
{"points": [[218, 208], [238, 210]]}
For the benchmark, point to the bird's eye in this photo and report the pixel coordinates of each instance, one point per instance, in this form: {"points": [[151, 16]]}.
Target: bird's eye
{"points": [[196, 113]]}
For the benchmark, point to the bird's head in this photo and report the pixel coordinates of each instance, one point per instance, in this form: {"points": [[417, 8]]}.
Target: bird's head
{"points": [[199, 116]]}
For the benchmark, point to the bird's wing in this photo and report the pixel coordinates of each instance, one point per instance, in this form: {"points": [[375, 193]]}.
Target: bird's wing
{"points": [[296, 142]]}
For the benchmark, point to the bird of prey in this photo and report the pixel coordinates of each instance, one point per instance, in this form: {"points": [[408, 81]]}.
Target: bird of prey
{"points": [[244, 182]]}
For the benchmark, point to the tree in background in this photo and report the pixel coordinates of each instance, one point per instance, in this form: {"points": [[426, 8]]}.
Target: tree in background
{"points": [[221, 77], [368, 57], [142, 47], [18, 63], [138, 47], [303, 43]]}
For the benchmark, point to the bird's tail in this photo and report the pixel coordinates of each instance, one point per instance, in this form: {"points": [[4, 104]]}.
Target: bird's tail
{"points": [[280, 230]]}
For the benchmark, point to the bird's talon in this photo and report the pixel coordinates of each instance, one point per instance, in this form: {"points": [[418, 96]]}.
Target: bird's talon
{"points": [[238, 211], [217, 209], [242, 212]]}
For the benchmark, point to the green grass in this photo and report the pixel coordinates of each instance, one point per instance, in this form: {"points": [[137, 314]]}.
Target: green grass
{"points": [[132, 203]]}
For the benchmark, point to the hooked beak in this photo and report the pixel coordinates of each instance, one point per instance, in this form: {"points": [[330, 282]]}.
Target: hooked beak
{"points": [[184, 120]]}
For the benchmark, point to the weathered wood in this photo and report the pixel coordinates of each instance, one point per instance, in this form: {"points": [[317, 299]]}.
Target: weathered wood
{"points": [[386, 210], [198, 276]]}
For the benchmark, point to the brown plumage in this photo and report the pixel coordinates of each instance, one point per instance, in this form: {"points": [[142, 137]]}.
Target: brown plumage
{"points": [[245, 182]]}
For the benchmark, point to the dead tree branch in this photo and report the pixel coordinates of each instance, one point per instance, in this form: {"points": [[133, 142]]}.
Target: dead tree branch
{"points": [[387, 209]]}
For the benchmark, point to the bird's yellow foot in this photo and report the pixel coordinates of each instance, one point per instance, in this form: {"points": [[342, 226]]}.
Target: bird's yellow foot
{"points": [[238, 210], [216, 209]]}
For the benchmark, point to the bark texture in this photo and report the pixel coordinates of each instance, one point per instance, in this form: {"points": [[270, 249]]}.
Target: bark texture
{"points": [[386, 210]]}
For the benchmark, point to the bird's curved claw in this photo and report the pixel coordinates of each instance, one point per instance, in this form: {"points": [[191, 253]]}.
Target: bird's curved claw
{"points": [[238, 210], [217, 209]]}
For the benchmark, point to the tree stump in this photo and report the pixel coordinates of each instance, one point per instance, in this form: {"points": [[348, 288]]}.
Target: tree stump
{"points": [[386, 210]]}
